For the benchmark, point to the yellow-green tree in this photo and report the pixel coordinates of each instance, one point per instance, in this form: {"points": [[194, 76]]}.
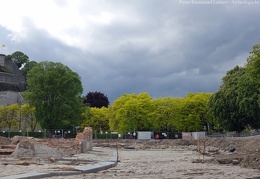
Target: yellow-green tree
{"points": [[131, 112], [27, 113], [97, 118], [136, 112], [1, 116], [10, 116], [166, 112], [194, 112]]}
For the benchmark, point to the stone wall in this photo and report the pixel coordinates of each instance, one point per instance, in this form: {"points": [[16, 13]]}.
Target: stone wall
{"points": [[10, 97], [8, 81], [12, 66], [12, 78], [12, 82], [2, 59]]}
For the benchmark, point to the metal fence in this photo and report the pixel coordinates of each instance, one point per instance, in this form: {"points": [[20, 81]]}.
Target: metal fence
{"points": [[65, 133], [233, 134]]}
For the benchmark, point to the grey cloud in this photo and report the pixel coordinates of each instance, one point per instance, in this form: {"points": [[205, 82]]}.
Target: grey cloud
{"points": [[163, 48]]}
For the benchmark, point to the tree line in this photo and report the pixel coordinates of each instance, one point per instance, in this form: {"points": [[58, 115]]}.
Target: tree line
{"points": [[140, 112], [55, 93]]}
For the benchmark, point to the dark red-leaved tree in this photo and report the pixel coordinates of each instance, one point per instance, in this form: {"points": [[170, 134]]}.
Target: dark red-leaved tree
{"points": [[96, 99]]}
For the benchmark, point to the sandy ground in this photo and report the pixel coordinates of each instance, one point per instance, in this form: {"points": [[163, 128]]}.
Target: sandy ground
{"points": [[140, 159], [168, 163]]}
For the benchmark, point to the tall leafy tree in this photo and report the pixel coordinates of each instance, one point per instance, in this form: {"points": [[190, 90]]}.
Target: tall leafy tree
{"points": [[28, 115], [253, 63], [131, 112], [9, 115], [54, 90], [165, 112], [27, 67], [247, 100], [97, 119], [215, 108], [236, 104], [19, 58], [194, 112], [96, 99], [224, 104], [253, 67], [249, 89], [176, 114]]}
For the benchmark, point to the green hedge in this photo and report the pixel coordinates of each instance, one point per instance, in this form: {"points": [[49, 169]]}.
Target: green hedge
{"points": [[36, 134], [70, 135], [32, 134], [106, 136], [10, 134], [44, 135]]}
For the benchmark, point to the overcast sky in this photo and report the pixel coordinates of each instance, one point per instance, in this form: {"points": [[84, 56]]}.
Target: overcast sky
{"points": [[163, 47]]}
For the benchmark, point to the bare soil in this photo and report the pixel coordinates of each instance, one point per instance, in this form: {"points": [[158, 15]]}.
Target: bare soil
{"points": [[237, 152], [246, 149]]}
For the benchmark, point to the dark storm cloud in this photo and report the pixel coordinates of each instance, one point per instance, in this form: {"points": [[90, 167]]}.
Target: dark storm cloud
{"points": [[163, 48]]}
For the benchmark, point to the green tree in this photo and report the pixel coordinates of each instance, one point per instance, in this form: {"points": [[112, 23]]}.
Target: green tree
{"points": [[10, 116], [177, 116], [194, 112], [249, 90], [28, 114], [19, 58], [237, 103], [253, 67], [165, 114], [247, 100], [98, 119], [55, 91], [27, 67], [224, 104], [253, 63], [131, 112], [215, 108]]}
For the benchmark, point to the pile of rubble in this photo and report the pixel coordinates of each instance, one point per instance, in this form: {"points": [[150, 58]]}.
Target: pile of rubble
{"points": [[41, 148]]}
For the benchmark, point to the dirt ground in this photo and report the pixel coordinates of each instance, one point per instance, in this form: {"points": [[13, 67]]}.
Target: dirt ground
{"points": [[246, 149], [228, 157]]}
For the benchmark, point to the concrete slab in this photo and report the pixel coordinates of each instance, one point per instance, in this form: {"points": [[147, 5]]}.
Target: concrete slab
{"points": [[31, 175], [65, 173], [101, 165], [113, 158], [96, 167]]}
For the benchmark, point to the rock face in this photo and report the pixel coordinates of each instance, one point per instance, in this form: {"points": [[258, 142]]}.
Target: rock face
{"points": [[11, 82], [10, 97]]}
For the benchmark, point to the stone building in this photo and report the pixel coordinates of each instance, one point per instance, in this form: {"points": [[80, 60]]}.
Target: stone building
{"points": [[11, 82]]}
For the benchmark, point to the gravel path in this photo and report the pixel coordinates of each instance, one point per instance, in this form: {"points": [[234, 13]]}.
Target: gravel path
{"points": [[168, 163]]}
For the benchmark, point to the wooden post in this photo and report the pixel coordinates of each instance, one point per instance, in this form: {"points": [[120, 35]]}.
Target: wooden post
{"points": [[198, 141], [204, 149], [117, 150]]}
